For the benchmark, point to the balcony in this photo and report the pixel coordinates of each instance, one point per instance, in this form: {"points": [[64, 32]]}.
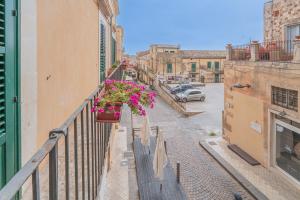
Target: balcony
{"points": [[72, 159], [269, 51]]}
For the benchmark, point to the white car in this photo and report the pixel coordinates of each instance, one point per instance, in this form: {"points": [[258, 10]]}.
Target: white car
{"points": [[190, 95]]}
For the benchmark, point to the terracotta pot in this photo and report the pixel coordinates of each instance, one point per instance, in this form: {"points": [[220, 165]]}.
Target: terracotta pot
{"points": [[109, 116]]}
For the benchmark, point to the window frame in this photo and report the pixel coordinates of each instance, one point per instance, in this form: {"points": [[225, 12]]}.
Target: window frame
{"points": [[285, 98]]}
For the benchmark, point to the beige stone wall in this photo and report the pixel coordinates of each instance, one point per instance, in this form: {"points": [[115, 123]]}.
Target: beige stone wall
{"points": [[119, 40], [278, 15], [244, 107], [67, 59]]}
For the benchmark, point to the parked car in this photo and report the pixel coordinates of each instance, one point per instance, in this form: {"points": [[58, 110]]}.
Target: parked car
{"points": [[181, 88], [190, 95]]}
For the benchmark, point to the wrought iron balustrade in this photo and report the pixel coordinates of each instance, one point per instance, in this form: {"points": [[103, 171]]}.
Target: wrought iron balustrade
{"points": [[79, 168], [274, 51]]}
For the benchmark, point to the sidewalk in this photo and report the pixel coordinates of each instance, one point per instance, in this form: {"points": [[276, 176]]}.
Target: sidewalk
{"points": [[115, 181], [268, 182], [119, 183]]}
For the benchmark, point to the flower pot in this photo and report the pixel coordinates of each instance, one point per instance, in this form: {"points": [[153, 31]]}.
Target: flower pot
{"points": [[109, 116]]}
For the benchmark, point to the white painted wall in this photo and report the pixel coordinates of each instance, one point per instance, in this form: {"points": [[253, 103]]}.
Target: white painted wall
{"points": [[28, 79]]}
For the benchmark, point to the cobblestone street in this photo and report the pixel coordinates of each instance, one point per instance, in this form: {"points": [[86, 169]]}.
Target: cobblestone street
{"points": [[202, 177]]}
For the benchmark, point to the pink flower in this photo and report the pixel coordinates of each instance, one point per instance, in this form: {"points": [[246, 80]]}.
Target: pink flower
{"points": [[134, 99], [101, 110], [109, 82], [142, 87], [152, 105], [94, 109], [111, 108], [117, 114], [114, 89]]}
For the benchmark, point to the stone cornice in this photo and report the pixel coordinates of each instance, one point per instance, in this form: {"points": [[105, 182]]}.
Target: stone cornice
{"points": [[105, 8]]}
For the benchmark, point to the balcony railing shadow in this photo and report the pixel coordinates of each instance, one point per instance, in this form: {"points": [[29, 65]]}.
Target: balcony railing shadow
{"points": [[74, 157]]}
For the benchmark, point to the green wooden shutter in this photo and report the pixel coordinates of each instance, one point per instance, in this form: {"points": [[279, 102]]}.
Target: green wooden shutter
{"points": [[9, 149], [102, 53], [169, 68], [193, 67], [209, 65], [217, 66], [113, 51], [2, 96]]}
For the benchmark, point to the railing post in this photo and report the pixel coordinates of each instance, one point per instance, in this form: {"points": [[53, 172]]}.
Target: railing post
{"points": [[254, 49], [296, 58], [53, 176], [178, 172], [229, 51]]}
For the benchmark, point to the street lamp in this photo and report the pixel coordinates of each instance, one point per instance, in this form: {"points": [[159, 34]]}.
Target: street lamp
{"points": [[240, 86]]}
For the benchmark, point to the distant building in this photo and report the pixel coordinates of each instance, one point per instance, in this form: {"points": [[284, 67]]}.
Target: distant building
{"points": [[174, 64], [262, 88]]}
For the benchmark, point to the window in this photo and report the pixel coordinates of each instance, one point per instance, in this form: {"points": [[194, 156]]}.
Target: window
{"points": [[193, 67], [172, 51], [195, 92], [169, 68], [217, 66], [113, 50], [209, 65], [285, 98], [288, 149], [291, 33]]}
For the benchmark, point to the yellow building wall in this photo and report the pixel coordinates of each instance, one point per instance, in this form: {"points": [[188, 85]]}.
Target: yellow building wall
{"points": [[242, 133], [254, 104], [67, 59]]}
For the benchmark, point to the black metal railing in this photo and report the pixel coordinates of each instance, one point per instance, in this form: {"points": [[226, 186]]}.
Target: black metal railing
{"points": [[276, 51], [76, 169], [241, 52]]}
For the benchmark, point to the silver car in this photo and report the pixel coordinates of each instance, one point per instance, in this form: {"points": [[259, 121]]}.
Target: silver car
{"points": [[190, 95]]}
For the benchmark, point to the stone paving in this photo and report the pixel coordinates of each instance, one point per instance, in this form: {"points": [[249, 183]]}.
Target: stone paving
{"points": [[201, 176], [270, 183]]}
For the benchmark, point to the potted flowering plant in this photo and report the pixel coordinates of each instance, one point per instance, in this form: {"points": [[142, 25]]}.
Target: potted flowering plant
{"points": [[108, 106]]}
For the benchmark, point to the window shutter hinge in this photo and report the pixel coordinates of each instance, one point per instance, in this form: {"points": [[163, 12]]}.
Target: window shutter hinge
{"points": [[15, 99], [14, 13]]}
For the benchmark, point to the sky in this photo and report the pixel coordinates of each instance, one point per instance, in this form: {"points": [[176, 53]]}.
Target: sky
{"points": [[193, 24]]}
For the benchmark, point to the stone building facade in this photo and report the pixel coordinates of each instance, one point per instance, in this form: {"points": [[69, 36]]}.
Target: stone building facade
{"points": [[171, 63], [262, 94], [281, 19]]}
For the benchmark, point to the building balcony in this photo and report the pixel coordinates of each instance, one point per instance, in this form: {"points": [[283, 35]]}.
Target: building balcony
{"points": [[70, 164], [269, 51]]}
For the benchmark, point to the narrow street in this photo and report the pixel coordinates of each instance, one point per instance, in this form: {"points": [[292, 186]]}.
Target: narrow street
{"points": [[201, 176]]}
